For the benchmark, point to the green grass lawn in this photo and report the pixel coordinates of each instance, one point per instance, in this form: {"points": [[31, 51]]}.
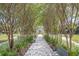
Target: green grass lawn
{"points": [[3, 37], [75, 38]]}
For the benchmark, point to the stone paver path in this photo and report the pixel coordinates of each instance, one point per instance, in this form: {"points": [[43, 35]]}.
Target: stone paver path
{"points": [[40, 48]]}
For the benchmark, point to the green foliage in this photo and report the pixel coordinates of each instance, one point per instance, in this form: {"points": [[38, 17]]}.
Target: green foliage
{"points": [[64, 46], [54, 41], [51, 40], [6, 52], [19, 44], [74, 51], [38, 10], [23, 42], [47, 38]]}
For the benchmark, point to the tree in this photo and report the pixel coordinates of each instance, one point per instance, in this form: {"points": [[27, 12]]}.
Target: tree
{"points": [[61, 14], [73, 10], [8, 21], [51, 22]]}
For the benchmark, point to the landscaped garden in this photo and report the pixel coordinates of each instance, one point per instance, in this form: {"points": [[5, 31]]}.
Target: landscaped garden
{"points": [[22, 24]]}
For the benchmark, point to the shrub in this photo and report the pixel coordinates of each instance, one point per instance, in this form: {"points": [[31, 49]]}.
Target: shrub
{"points": [[64, 46], [54, 41], [47, 38], [51, 40], [18, 44], [72, 53], [6, 52], [23, 42]]}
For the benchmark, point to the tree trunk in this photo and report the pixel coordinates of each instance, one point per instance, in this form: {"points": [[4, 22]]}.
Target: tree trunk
{"points": [[67, 41], [10, 38], [70, 41]]}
